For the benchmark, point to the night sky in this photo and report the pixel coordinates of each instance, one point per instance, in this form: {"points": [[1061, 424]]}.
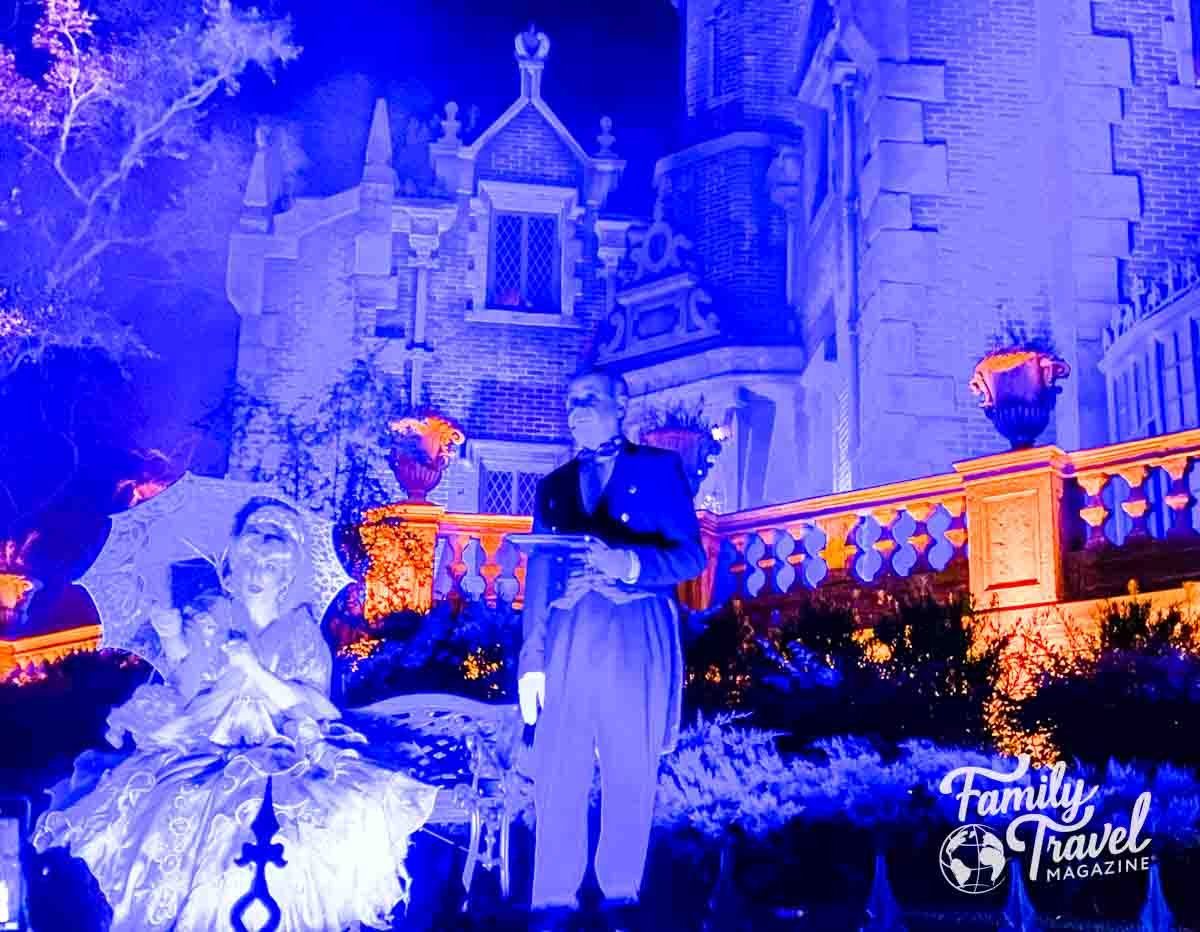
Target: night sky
{"points": [[618, 58]]}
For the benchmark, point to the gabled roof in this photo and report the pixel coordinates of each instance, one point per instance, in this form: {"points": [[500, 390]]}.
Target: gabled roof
{"points": [[512, 113]]}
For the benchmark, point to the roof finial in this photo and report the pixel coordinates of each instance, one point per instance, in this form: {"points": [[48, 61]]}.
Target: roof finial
{"points": [[378, 167], [532, 44], [264, 183], [451, 125], [532, 47], [606, 138]]}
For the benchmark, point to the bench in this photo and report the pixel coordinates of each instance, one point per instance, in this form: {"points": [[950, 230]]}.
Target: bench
{"points": [[470, 751]]}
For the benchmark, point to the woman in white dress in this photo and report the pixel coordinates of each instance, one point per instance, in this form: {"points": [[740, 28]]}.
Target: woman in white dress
{"points": [[247, 698]]}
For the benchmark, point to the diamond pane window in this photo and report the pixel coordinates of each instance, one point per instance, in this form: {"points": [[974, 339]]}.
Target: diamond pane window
{"points": [[497, 493], [524, 262], [508, 492], [539, 276], [526, 492], [506, 261]]}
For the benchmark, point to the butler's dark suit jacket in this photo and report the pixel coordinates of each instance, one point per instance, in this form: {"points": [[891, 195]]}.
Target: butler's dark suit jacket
{"points": [[647, 507]]}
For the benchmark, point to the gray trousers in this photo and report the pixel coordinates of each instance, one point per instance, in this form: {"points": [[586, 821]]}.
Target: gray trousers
{"points": [[607, 691]]}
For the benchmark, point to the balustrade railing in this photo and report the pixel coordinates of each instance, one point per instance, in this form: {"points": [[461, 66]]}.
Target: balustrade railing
{"points": [[1031, 527]]}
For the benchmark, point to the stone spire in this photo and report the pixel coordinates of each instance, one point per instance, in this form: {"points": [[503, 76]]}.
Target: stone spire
{"points": [[532, 47], [264, 184], [378, 168]]}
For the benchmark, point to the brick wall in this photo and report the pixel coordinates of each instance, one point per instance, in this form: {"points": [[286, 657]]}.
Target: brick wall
{"points": [[1006, 154], [498, 380], [503, 381], [527, 150], [721, 204], [755, 43], [1157, 143]]}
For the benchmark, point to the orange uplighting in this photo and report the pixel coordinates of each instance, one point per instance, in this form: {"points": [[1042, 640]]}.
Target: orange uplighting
{"points": [[360, 650], [14, 587], [478, 666]]}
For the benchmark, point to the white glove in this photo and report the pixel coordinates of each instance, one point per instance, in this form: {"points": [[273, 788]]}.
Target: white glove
{"points": [[531, 689]]}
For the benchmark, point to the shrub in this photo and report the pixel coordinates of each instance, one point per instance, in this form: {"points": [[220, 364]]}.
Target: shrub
{"points": [[815, 673], [1130, 695], [469, 650]]}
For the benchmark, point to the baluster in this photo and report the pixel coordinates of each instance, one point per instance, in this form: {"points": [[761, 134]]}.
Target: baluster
{"points": [[473, 583], [839, 550], [815, 543], [957, 533], [489, 568], [1137, 504], [942, 547], [886, 545], [455, 563], [869, 561], [785, 557], [904, 555], [920, 538], [757, 562], [1178, 498], [740, 569], [1094, 512], [443, 579], [507, 585]]}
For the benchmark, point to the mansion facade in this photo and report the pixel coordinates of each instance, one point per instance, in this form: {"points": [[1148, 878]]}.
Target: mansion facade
{"points": [[869, 191]]}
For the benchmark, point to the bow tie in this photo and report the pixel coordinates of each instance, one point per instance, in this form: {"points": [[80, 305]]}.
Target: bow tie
{"points": [[606, 450]]}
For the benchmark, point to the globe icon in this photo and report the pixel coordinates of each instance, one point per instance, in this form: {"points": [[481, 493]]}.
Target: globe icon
{"points": [[972, 859]]}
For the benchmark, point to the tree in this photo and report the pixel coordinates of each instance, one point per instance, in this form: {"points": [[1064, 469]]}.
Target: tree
{"points": [[330, 457], [83, 149]]}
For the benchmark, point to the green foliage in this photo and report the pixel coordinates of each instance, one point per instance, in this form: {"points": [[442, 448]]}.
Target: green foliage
{"points": [[812, 673], [1132, 698], [1137, 626], [429, 653], [679, 415], [330, 457], [49, 718], [82, 146], [1015, 336], [721, 776]]}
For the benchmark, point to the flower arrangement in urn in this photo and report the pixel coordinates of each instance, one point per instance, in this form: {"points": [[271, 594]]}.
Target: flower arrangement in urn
{"points": [[17, 586], [1015, 384], [686, 431], [422, 444]]}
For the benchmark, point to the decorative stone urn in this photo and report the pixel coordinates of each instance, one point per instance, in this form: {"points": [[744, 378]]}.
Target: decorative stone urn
{"points": [[1017, 391], [421, 450], [16, 592], [696, 444]]}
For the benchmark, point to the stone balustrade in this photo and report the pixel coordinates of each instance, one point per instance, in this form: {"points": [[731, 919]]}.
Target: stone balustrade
{"points": [[1033, 528], [1019, 531]]}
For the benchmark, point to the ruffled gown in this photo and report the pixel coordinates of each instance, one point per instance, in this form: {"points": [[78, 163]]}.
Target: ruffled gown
{"points": [[161, 829]]}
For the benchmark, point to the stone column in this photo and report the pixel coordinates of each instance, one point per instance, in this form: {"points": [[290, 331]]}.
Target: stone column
{"points": [[401, 541], [786, 180], [1015, 515]]}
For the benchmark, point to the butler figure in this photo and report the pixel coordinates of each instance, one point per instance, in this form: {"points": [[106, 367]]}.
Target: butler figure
{"points": [[601, 667]]}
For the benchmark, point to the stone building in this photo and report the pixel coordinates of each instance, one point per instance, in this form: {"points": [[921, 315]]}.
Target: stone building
{"points": [[867, 192]]}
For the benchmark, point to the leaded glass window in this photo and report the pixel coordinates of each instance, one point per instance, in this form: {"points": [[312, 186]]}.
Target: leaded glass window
{"points": [[508, 492], [525, 262]]}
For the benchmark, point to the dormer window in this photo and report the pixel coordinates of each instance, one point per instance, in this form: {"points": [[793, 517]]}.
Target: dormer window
{"points": [[524, 262], [524, 248]]}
